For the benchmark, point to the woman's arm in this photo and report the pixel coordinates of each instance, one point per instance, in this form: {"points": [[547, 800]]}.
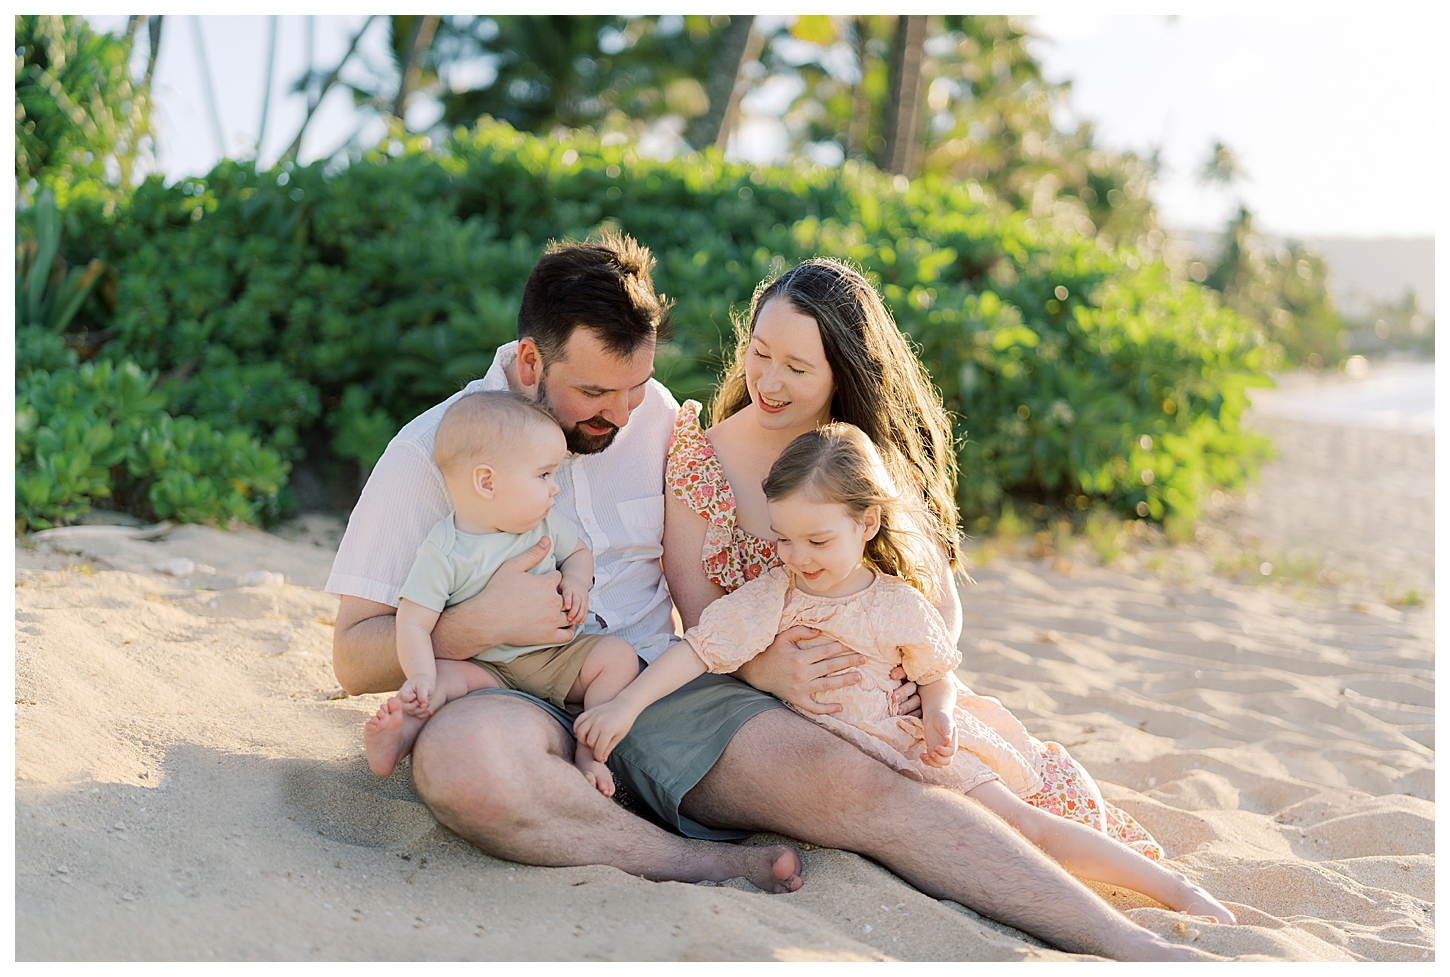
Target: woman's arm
{"points": [[948, 603], [684, 543]]}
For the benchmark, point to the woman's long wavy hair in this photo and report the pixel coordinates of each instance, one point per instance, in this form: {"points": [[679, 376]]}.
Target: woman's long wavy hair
{"points": [[881, 387], [836, 464]]}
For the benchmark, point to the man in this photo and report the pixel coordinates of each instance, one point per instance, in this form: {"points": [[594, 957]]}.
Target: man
{"points": [[715, 760]]}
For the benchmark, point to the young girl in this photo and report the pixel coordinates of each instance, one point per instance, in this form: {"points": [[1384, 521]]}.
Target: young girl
{"points": [[856, 568]]}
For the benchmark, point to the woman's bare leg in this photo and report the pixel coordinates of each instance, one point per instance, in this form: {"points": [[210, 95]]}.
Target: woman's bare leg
{"points": [[785, 774], [1090, 854]]}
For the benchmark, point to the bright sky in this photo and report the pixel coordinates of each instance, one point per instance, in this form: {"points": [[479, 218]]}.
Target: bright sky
{"points": [[1330, 116]]}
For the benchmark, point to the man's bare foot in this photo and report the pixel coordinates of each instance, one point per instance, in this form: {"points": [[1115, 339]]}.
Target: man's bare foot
{"points": [[595, 772], [770, 868], [383, 738]]}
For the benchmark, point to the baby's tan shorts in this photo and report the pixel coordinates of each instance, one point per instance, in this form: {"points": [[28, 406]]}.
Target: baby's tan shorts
{"points": [[548, 673]]}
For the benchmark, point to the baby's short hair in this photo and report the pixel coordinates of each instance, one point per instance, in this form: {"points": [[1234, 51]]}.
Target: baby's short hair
{"points": [[479, 426]]}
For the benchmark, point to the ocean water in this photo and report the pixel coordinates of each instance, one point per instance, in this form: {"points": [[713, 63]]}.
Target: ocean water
{"points": [[1390, 397]]}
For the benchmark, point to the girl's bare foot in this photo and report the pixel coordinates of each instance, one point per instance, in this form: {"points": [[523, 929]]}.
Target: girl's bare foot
{"points": [[383, 737], [595, 772]]}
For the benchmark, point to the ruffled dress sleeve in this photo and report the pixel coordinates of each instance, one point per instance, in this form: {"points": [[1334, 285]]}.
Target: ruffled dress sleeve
{"points": [[927, 652], [742, 624], [693, 474]]}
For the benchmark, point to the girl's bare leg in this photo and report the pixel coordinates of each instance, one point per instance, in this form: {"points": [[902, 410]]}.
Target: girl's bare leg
{"points": [[389, 735], [609, 667], [1090, 854]]}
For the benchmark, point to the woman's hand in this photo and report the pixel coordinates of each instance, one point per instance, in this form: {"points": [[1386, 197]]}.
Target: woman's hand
{"points": [[798, 665], [904, 700]]}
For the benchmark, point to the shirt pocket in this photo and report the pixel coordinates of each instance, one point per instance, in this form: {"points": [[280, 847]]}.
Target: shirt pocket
{"points": [[644, 523], [644, 518]]}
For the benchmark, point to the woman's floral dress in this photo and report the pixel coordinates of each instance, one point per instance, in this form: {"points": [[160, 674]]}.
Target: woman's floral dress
{"points": [[993, 745]]}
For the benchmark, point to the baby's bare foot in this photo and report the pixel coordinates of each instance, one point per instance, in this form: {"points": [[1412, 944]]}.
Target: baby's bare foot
{"points": [[383, 737], [595, 772]]}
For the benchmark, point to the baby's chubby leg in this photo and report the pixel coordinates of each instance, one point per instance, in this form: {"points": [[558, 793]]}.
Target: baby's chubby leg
{"points": [[610, 665], [1093, 855], [457, 679], [389, 735]]}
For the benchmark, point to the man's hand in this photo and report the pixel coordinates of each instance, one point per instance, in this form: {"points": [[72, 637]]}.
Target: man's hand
{"points": [[602, 727], [515, 608], [417, 694], [795, 668]]}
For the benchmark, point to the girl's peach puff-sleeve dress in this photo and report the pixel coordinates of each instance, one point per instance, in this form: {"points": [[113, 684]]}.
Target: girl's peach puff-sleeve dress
{"points": [[890, 623]]}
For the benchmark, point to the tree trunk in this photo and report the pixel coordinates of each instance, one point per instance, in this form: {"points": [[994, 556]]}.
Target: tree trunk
{"points": [[327, 83], [153, 34], [859, 127], [420, 38], [903, 102], [720, 87], [753, 48], [267, 85]]}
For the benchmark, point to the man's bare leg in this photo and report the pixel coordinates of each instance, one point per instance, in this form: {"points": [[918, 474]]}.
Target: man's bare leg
{"points": [[500, 772], [785, 774]]}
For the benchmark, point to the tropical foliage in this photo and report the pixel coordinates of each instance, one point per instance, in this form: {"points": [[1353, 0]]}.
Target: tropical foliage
{"points": [[279, 307], [80, 121]]}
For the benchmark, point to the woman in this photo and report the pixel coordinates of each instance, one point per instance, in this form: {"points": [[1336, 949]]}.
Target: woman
{"points": [[820, 346]]}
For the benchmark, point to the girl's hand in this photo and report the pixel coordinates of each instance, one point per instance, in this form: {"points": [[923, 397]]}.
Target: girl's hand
{"points": [[415, 695], [602, 727], [941, 739]]}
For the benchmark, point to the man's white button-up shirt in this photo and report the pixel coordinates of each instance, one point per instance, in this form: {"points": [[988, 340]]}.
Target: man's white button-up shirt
{"points": [[615, 498]]}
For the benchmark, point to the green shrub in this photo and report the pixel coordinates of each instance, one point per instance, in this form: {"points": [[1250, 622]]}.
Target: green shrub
{"points": [[99, 431], [290, 302]]}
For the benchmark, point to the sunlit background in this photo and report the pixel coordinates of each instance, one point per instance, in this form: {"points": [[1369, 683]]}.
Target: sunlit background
{"points": [[1331, 134]]}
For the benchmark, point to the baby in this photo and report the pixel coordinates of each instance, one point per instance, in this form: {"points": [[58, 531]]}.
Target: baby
{"points": [[498, 453]]}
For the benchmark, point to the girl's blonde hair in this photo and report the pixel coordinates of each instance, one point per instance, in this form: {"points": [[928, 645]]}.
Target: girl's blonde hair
{"points": [[838, 464], [881, 387]]}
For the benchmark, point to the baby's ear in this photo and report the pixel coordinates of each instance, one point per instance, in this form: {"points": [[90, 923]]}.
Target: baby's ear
{"points": [[483, 480]]}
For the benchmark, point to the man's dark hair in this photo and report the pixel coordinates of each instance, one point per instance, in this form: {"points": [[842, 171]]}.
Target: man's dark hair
{"points": [[603, 285]]}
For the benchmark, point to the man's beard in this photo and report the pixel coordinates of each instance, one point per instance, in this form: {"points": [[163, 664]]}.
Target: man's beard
{"points": [[581, 442]]}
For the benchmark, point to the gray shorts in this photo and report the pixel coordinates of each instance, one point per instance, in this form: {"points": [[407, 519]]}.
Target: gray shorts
{"points": [[674, 743]]}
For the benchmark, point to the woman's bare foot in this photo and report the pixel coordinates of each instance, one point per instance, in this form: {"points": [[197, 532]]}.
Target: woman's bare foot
{"points": [[770, 868], [1197, 902], [383, 738], [595, 772]]}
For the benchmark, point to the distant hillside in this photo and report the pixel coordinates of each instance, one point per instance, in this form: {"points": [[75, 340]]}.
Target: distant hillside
{"points": [[1362, 270]]}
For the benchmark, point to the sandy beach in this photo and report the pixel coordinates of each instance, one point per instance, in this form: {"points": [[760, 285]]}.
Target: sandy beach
{"points": [[190, 782]]}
